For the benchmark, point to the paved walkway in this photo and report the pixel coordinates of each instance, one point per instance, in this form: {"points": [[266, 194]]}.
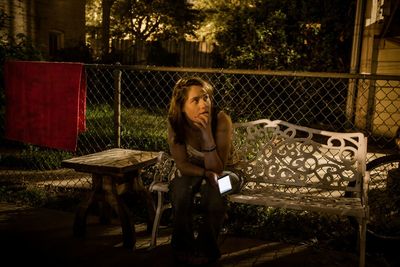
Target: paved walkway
{"points": [[43, 237]]}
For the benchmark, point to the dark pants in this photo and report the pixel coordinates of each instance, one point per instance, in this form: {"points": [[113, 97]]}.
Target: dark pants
{"points": [[212, 205]]}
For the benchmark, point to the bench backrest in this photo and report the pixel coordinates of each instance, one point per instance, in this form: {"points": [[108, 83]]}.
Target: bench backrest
{"points": [[295, 158]]}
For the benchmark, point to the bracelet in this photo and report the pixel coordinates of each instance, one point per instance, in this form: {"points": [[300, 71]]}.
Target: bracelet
{"points": [[210, 149]]}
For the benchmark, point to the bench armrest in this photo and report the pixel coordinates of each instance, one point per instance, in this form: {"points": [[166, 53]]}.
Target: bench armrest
{"points": [[164, 169]]}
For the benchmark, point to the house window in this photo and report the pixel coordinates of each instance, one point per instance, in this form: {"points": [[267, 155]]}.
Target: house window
{"points": [[56, 40]]}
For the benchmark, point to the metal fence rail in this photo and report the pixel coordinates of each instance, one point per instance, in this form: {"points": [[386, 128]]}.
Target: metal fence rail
{"points": [[127, 106]]}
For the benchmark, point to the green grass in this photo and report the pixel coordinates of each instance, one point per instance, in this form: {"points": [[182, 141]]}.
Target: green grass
{"points": [[34, 158], [140, 129], [30, 195]]}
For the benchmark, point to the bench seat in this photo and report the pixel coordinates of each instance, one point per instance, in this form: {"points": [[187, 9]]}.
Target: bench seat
{"points": [[337, 206]]}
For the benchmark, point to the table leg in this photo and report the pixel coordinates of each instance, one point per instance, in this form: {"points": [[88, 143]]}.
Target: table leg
{"points": [[105, 191], [127, 225], [146, 195], [79, 227], [105, 213]]}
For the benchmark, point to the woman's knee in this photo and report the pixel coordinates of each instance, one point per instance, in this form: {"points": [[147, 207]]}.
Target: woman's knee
{"points": [[212, 201], [181, 192]]}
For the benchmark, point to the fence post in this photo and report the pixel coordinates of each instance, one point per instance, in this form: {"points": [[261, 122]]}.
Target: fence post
{"points": [[117, 106], [355, 61]]}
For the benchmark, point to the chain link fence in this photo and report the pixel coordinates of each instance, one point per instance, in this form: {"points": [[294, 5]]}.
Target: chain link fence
{"points": [[328, 101]]}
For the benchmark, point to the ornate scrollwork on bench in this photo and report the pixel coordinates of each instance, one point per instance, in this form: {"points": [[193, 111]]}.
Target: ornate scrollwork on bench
{"points": [[276, 152]]}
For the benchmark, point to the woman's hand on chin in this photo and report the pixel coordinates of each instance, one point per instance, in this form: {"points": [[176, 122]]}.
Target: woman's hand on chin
{"points": [[203, 123]]}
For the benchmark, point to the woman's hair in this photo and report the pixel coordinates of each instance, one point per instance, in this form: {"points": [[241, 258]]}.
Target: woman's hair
{"points": [[176, 117]]}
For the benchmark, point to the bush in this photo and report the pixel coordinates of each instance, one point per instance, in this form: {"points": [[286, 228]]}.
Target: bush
{"points": [[285, 225], [79, 53]]}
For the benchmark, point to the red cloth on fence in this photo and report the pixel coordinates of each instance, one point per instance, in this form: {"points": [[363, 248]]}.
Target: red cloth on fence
{"points": [[45, 103]]}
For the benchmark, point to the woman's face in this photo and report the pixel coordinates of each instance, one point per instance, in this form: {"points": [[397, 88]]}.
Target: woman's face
{"points": [[198, 104]]}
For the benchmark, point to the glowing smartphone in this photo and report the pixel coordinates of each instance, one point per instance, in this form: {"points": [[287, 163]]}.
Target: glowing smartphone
{"points": [[224, 184]]}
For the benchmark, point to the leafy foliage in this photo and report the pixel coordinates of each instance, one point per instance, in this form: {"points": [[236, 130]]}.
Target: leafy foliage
{"points": [[152, 20], [282, 35], [15, 47], [301, 35], [260, 44], [18, 47]]}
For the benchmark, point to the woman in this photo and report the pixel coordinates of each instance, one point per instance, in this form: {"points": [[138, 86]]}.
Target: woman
{"points": [[199, 138]]}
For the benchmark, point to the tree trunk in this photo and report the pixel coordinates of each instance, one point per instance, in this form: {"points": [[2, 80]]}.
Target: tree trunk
{"points": [[106, 11]]}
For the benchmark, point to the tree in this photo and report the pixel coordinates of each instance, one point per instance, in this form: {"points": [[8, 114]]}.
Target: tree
{"points": [[322, 33], [281, 34], [153, 19], [98, 16], [250, 37], [106, 6], [142, 20]]}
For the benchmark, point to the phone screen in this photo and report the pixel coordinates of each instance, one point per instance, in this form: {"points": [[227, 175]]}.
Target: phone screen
{"points": [[224, 184]]}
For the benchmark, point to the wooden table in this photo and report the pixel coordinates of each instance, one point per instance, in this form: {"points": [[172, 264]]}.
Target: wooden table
{"points": [[114, 171]]}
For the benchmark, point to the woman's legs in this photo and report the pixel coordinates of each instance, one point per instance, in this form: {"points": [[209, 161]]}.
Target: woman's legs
{"points": [[182, 190], [214, 207]]}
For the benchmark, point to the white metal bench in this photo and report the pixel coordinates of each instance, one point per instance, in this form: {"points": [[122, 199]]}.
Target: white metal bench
{"points": [[293, 167]]}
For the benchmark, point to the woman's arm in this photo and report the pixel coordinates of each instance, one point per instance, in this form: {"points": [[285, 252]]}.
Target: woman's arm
{"points": [[215, 160]]}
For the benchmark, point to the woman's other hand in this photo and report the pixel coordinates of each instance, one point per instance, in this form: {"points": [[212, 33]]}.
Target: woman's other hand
{"points": [[211, 177]]}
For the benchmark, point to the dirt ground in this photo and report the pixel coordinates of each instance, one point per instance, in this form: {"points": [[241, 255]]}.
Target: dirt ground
{"points": [[44, 237]]}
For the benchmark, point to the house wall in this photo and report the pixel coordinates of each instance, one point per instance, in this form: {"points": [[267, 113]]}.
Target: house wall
{"points": [[62, 16], [388, 57], [379, 56], [386, 114], [37, 19]]}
